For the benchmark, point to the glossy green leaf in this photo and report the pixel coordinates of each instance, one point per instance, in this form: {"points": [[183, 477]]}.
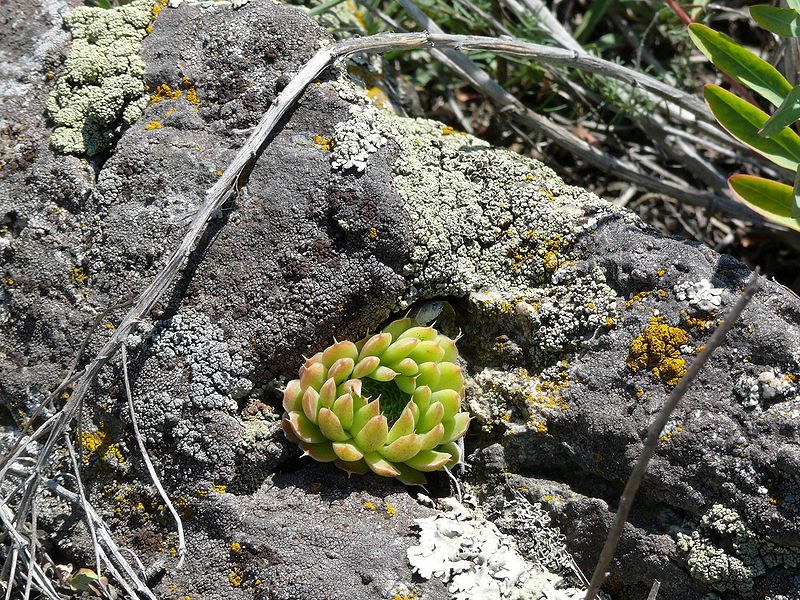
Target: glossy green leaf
{"points": [[783, 21], [769, 198], [743, 120], [741, 64], [786, 114]]}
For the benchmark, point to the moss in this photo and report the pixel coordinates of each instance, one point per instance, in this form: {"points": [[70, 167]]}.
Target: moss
{"points": [[658, 350], [101, 88]]}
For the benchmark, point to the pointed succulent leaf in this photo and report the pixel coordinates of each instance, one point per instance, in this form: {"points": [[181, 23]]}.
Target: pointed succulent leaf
{"points": [[410, 476], [784, 22], [402, 449], [288, 430], [420, 333], [311, 404], [364, 414], [449, 346], [429, 441], [343, 409], [382, 374], [771, 199], [450, 399], [407, 385], [366, 366], [375, 345], [305, 430], [429, 374], [310, 361], [358, 467], [331, 427], [429, 460], [427, 351], [339, 351], [450, 377], [431, 418], [292, 396], [453, 450], [399, 350], [351, 386], [341, 369], [380, 465], [313, 376], [323, 452], [406, 367], [741, 64], [347, 451], [403, 426], [396, 328], [422, 398], [373, 435], [456, 427], [327, 393]]}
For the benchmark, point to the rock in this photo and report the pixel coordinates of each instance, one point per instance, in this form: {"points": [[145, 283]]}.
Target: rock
{"points": [[577, 320]]}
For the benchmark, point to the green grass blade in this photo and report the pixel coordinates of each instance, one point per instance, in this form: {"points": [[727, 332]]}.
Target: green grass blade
{"points": [[783, 21], [787, 113], [743, 120], [591, 18], [769, 198], [741, 64]]}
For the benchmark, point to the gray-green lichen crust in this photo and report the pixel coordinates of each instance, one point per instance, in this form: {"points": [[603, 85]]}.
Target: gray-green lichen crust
{"points": [[489, 225], [101, 88], [727, 555]]}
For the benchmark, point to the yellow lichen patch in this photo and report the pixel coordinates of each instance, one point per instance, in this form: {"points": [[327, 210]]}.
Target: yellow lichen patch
{"points": [[697, 322], [658, 350], [640, 393], [235, 578], [373, 233], [323, 143], [637, 298], [661, 272], [369, 505], [391, 510], [164, 92], [158, 6], [236, 547], [153, 125], [191, 91], [447, 130], [661, 293], [412, 595], [220, 488], [78, 277], [378, 97], [99, 443], [543, 396]]}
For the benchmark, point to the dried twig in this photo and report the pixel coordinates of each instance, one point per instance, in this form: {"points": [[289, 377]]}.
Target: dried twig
{"points": [[181, 550], [654, 590], [655, 429]]}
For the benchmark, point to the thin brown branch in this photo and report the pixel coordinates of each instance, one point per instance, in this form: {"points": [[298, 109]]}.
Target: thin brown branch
{"points": [[655, 429]]}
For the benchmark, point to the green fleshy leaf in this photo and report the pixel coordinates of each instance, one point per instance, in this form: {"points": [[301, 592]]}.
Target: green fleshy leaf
{"points": [[741, 64], [344, 411], [428, 460], [796, 198], [398, 350], [783, 21], [431, 418], [402, 448], [773, 200], [433, 438], [331, 427], [450, 399], [396, 328], [322, 452], [380, 466], [743, 120], [347, 451], [373, 435], [786, 114], [428, 351], [375, 345]]}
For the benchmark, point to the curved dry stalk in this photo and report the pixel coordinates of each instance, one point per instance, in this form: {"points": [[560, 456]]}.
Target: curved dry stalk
{"points": [[654, 432]]}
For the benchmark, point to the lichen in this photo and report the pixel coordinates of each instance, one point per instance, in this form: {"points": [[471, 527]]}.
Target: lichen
{"points": [[101, 88], [725, 554], [659, 350], [700, 294]]}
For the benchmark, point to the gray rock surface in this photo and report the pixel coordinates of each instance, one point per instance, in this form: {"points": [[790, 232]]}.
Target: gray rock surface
{"points": [[577, 320]]}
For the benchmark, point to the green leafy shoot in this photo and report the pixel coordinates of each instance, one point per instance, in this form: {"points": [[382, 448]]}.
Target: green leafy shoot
{"points": [[786, 114], [769, 198], [783, 21], [743, 121], [741, 64]]}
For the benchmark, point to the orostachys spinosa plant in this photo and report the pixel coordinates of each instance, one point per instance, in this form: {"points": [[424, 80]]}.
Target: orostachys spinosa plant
{"points": [[390, 403]]}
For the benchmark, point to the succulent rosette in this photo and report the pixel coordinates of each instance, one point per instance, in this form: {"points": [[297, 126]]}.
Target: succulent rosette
{"points": [[390, 403]]}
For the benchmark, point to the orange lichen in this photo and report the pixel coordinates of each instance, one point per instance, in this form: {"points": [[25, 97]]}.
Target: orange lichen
{"points": [[378, 97], [658, 350], [99, 443], [373, 233], [164, 92], [236, 547], [323, 143], [153, 125], [369, 505], [637, 298]]}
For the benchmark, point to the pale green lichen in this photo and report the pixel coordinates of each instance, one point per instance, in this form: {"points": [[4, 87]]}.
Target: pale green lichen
{"points": [[491, 226], [725, 554], [101, 88]]}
